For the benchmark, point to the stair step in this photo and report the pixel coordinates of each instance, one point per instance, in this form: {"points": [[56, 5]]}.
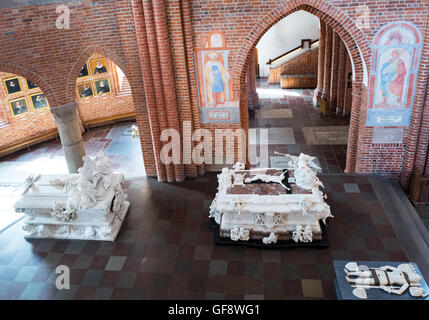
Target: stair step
{"points": [[4, 124]]}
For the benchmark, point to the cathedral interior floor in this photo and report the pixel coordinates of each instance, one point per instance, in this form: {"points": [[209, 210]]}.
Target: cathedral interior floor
{"points": [[300, 127], [165, 248]]}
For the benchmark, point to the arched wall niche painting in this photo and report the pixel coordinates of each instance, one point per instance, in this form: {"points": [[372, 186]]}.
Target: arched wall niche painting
{"points": [[215, 87], [396, 52]]}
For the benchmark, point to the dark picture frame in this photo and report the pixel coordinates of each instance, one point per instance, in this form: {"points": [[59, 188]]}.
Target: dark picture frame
{"points": [[39, 103], [84, 72], [31, 84], [85, 89], [18, 106], [100, 88], [12, 85]]}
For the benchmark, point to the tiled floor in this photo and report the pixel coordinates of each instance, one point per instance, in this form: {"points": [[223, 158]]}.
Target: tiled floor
{"points": [[165, 250], [286, 133]]}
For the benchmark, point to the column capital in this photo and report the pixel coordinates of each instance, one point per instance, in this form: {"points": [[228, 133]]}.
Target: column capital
{"points": [[65, 113]]}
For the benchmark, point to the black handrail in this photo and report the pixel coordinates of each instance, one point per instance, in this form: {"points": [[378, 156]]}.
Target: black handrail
{"points": [[284, 54]]}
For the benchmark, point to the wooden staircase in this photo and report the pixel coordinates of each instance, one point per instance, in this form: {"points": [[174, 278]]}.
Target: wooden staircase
{"points": [[4, 124], [125, 89], [298, 61]]}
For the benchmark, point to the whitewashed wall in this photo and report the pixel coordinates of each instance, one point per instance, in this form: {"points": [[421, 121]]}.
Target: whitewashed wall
{"points": [[286, 35]]}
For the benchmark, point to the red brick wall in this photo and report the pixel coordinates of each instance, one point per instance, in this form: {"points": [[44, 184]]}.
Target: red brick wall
{"points": [[39, 122], [34, 48], [244, 24]]}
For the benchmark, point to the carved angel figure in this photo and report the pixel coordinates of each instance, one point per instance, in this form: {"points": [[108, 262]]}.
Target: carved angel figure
{"points": [[91, 183]]}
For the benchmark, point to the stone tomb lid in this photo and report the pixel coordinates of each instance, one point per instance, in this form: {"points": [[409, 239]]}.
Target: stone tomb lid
{"points": [[42, 194], [344, 289]]}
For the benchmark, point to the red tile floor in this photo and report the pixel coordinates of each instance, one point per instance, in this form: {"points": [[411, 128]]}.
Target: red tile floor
{"points": [[332, 158], [165, 251]]}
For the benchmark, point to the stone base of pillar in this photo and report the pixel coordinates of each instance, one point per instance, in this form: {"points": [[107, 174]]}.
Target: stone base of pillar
{"points": [[70, 132]]}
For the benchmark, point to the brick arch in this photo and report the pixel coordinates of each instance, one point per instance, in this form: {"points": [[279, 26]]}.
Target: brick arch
{"points": [[83, 57], [355, 42], [344, 26], [30, 75], [138, 98]]}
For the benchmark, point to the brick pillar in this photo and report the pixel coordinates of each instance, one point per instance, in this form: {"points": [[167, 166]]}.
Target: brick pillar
{"points": [[67, 121], [422, 155], [189, 46], [341, 75], [416, 123], [347, 89], [334, 71], [328, 63], [156, 76], [182, 83], [320, 64], [168, 78], [251, 83], [353, 138], [154, 120]]}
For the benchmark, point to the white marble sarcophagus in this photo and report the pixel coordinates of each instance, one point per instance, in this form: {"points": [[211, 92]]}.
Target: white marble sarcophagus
{"points": [[89, 205], [271, 204]]}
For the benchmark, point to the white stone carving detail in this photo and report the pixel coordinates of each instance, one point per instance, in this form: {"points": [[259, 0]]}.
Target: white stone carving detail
{"points": [[272, 238], [263, 214], [268, 178], [90, 205], [393, 280], [238, 179], [240, 234], [260, 219], [303, 234]]}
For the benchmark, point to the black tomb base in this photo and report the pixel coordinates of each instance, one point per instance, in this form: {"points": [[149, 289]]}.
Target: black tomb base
{"points": [[281, 244]]}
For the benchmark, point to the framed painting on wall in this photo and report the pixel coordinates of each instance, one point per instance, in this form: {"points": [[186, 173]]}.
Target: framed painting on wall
{"points": [[18, 106], [85, 89], [84, 71], [39, 101], [30, 84], [98, 66], [102, 86], [12, 85]]}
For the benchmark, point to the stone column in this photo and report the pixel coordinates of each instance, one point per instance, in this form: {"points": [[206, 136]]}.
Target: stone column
{"points": [[334, 71], [320, 64], [67, 121], [328, 63]]}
